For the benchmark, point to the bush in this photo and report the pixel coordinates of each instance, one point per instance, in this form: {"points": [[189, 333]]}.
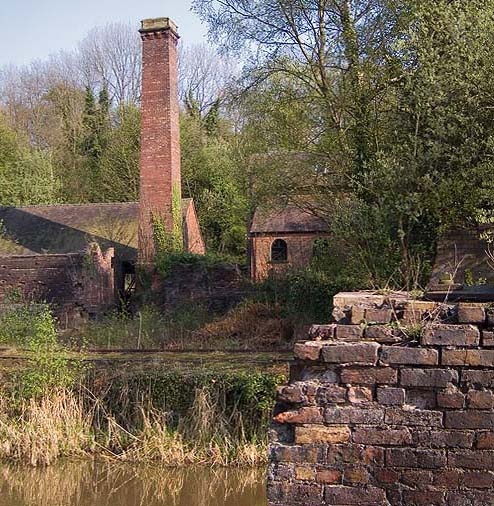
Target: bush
{"points": [[165, 262]]}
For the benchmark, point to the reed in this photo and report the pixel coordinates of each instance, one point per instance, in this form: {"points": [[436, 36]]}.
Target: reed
{"points": [[64, 423]]}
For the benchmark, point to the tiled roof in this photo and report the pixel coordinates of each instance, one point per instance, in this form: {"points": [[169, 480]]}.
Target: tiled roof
{"points": [[288, 219], [67, 228]]}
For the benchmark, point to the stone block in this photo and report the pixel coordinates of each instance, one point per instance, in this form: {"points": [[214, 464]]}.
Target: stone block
{"points": [[480, 378], [422, 497], [478, 479], [322, 332], [369, 375], [434, 378], [390, 396], [488, 339], [311, 434], [469, 459], [305, 473], [356, 475], [451, 335], [360, 395], [379, 316], [329, 476], [359, 353], [444, 438], [309, 350], [291, 394], [358, 315], [383, 334], [331, 394], [485, 440], [302, 415], [393, 355], [451, 398]]}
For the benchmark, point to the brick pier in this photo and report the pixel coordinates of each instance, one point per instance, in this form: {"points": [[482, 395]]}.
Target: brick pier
{"points": [[391, 405]]}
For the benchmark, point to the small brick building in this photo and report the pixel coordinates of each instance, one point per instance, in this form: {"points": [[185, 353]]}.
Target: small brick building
{"points": [[283, 238], [77, 257]]}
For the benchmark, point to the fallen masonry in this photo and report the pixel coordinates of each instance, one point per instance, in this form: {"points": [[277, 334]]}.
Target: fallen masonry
{"points": [[393, 404]]}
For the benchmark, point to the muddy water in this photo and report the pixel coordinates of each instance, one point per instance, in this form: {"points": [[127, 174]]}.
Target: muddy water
{"points": [[82, 484]]}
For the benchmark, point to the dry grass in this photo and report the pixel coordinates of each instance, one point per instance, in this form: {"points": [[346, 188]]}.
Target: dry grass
{"points": [[61, 424]]}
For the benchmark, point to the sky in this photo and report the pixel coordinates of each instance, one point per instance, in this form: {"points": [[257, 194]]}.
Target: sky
{"points": [[34, 29]]}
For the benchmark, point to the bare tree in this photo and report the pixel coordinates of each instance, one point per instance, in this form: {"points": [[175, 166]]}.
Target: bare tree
{"points": [[204, 75], [110, 56]]}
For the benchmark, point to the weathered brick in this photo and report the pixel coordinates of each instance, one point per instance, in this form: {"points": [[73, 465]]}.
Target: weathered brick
{"points": [[387, 476], [329, 476], [436, 378], [291, 394], [480, 378], [390, 396], [414, 417], [322, 332], [331, 394], [353, 475], [391, 355], [360, 395], [353, 415], [488, 339], [303, 415], [350, 453], [420, 458], [349, 332], [468, 459], [359, 353], [282, 471], [310, 494], [305, 473], [341, 495], [296, 454], [451, 335], [411, 477], [480, 399], [485, 441], [383, 334], [474, 479], [379, 316], [369, 375], [469, 420], [471, 313], [321, 434], [358, 315], [426, 497], [421, 398], [309, 350], [451, 398], [484, 358], [469, 498], [382, 436], [447, 478], [443, 438]]}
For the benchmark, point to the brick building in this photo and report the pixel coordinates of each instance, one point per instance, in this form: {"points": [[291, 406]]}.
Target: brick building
{"points": [[47, 252], [283, 238]]}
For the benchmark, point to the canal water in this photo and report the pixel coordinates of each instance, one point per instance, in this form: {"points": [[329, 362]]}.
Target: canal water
{"points": [[97, 484]]}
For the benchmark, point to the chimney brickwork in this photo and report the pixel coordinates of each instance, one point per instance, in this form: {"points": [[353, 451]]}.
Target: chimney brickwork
{"points": [[160, 181]]}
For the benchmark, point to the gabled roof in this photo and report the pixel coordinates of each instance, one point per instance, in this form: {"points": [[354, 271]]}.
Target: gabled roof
{"points": [[67, 228], [287, 219]]}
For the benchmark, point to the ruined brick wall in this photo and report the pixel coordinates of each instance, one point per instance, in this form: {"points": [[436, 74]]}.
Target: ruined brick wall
{"points": [[76, 285], [300, 250], [391, 405]]}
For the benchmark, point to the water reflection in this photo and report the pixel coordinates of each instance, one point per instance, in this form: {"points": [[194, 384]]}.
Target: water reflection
{"points": [[96, 484]]}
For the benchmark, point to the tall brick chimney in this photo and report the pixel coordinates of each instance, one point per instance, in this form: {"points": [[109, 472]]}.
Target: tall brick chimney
{"points": [[160, 185]]}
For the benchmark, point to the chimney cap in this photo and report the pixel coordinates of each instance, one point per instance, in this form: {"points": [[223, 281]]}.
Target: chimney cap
{"points": [[158, 25]]}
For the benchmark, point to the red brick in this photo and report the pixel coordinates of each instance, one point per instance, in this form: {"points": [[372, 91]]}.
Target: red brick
{"points": [[353, 475], [451, 335], [451, 398], [321, 434], [479, 459], [329, 476], [369, 375], [485, 441], [437, 378], [447, 478], [331, 394], [391, 355], [359, 353], [296, 454], [424, 497], [443, 438], [309, 350], [387, 476], [478, 479], [302, 415], [411, 477]]}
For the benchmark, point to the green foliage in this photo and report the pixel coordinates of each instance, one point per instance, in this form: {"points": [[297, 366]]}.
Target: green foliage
{"points": [[165, 262], [32, 326]]}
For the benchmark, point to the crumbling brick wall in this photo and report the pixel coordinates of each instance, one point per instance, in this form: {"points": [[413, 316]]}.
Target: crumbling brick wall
{"points": [[391, 405], [76, 285]]}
